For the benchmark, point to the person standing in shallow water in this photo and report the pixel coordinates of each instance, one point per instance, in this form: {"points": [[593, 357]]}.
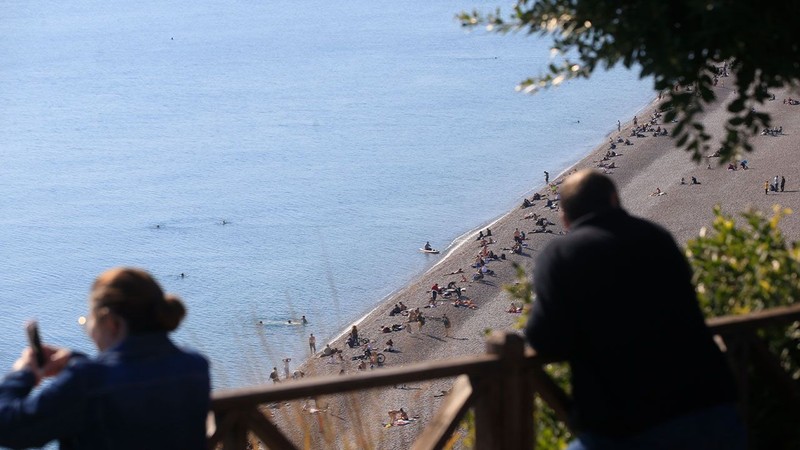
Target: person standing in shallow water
{"points": [[140, 391], [312, 344], [636, 382]]}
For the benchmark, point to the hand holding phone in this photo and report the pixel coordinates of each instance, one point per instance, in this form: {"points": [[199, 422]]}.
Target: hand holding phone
{"points": [[35, 342]]}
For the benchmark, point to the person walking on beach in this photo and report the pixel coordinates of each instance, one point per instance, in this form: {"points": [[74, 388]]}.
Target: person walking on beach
{"points": [[286, 372], [447, 325], [636, 382], [766, 187], [783, 182], [312, 344], [619, 126], [354, 337], [546, 177]]}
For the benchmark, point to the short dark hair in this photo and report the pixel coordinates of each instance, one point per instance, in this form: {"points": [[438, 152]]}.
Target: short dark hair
{"points": [[587, 191]]}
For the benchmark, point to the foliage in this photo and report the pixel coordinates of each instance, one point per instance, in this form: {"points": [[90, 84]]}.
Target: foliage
{"points": [[738, 270], [679, 43]]}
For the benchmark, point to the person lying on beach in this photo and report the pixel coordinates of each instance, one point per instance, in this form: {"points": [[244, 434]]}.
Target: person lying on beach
{"points": [[465, 303], [395, 415], [531, 215], [460, 270], [657, 192], [514, 309]]}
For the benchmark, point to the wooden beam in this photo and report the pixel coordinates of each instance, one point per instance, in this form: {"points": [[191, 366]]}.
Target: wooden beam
{"points": [[767, 362], [551, 393], [504, 407], [224, 424], [447, 418], [745, 322], [488, 433], [235, 438], [334, 384], [265, 430]]}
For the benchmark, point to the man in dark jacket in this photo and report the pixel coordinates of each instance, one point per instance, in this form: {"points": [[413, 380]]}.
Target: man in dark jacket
{"points": [[614, 299]]}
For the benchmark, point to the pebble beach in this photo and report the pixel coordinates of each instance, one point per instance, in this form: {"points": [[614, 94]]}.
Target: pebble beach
{"points": [[651, 164]]}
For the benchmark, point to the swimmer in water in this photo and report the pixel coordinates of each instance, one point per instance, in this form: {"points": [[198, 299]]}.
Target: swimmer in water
{"points": [[304, 320], [289, 321]]}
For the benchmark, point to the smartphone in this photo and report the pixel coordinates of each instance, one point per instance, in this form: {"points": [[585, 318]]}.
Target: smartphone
{"points": [[35, 342]]}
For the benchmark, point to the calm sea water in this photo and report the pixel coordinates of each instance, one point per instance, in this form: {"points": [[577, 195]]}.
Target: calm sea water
{"points": [[335, 138]]}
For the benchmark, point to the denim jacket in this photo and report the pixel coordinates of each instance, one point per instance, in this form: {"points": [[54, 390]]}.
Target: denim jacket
{"points": [[144, 393]]}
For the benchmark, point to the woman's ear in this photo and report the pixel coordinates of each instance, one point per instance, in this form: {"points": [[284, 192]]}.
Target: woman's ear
{"points": [[118, 328]]}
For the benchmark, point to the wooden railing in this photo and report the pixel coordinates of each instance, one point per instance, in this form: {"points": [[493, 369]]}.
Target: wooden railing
{"points": [[499, 386]]}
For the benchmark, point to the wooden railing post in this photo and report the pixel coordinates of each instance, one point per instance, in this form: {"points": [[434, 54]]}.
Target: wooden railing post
{"points": [[504, 410]]}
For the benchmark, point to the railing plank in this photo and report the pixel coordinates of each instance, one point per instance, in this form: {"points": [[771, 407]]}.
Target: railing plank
{"points": [[551, 393], [268, 432], [333, 384], [744, 322], [504, 411], [487, 413], [223, 425], [772, 368], [236, 436], [441, 427], [497, 382]]}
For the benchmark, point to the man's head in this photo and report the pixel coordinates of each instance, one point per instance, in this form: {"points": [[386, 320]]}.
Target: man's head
{"points": [[585, 192]]}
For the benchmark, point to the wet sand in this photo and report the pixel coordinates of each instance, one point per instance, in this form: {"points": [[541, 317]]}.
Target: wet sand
{"points": [[650, 163]]}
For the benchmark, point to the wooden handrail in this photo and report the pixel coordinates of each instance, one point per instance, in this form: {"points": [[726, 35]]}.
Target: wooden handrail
{"points": [[760, 319], [333, 384], [505, 373]]}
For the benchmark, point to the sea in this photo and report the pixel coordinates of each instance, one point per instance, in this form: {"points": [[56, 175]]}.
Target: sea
{"points": [[265, 160]]}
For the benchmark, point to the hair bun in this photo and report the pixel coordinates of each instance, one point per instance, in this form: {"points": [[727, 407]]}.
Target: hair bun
{"points": [[171, 312]]}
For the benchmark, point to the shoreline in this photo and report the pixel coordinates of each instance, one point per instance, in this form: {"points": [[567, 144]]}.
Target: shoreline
{"points": [[649, 163]]}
